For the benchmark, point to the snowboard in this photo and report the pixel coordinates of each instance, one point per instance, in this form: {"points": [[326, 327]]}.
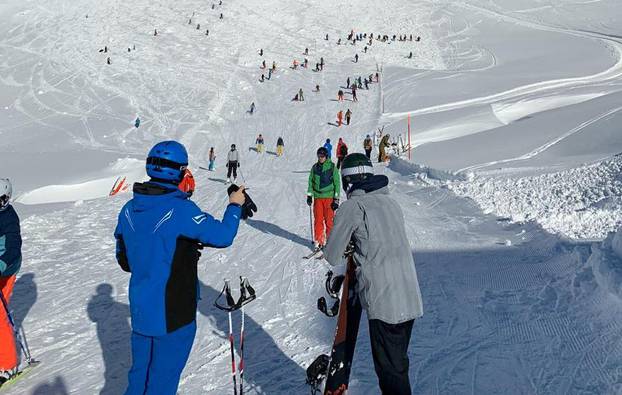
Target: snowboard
{"points": [[348, 320]]}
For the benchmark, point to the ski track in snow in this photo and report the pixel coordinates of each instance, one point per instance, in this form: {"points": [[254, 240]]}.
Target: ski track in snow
{"points": [[499, 318]]}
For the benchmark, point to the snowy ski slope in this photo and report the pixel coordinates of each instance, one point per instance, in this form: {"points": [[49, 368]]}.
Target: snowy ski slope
{"points": [[519, 95]]}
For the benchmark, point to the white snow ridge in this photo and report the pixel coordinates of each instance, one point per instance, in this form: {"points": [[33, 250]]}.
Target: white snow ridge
{"points": [[511, 187]]}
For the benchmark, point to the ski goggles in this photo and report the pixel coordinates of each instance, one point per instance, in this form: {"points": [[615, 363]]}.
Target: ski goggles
{"points": [[4, 201]]}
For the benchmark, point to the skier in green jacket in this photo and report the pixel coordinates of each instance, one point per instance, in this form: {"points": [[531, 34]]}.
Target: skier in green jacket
{"points": [[323, 193]]}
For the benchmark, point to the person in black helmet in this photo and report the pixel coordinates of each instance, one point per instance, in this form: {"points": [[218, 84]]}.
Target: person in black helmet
{"points": [[385, 269], [233, 162]]}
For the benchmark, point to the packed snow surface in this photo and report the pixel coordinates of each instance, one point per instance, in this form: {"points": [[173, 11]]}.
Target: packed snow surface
{"points": [[515, 114]]}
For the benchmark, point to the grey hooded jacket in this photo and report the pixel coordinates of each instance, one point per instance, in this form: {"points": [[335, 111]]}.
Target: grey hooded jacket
{"points": [[385, 267]]}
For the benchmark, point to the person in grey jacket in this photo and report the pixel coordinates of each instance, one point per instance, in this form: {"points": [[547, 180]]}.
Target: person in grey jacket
{"points": [[233, 162], [385, 269]]}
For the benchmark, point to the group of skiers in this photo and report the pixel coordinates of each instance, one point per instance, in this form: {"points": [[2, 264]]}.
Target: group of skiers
{"points": [[162, 224]]}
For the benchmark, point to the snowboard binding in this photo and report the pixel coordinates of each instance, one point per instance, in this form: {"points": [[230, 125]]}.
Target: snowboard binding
{"points": [[332, 285], [247, 295], [316, 372]]}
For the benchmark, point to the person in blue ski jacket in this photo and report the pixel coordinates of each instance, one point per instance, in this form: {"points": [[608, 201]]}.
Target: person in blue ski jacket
{"points": [[159, 234], [329, 148]]}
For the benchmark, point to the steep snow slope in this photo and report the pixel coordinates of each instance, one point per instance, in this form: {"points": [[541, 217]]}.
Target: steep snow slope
{"points": [[509, 307]]}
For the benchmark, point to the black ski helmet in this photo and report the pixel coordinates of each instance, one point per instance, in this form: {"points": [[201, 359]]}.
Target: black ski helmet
{"points": [[322, 151], [232, 146], [355, 168]]}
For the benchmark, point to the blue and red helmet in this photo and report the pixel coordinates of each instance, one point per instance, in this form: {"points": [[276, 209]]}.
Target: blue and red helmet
{"points": [[167, 161]]}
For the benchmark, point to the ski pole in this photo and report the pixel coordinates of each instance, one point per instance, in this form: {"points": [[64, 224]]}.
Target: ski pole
{"points": [[311, 223], [18, 336], [231, 341], [242, 174], [242, 354]]}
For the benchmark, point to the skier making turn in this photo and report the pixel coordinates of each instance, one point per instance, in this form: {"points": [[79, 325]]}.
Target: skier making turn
{"points": [[388, 288], [158, 235], [323, 193], [10, 262]]}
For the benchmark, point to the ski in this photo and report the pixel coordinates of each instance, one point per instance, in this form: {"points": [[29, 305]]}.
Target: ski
{"points": [[313, 253], [19, 375]]}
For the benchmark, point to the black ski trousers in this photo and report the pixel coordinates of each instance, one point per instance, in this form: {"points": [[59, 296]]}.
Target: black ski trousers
{"points": [[389, 347], [232, 167]]}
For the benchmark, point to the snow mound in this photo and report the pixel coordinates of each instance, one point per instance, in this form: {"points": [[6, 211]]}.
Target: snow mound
{"points": [[404, 167], [118, 177], [580, 203], [606, 263]]}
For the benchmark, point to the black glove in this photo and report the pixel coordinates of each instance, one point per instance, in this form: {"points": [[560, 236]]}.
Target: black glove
{"points": [[309, 201], [238, 164], [249, 207], [227, 165], [335, 204]]}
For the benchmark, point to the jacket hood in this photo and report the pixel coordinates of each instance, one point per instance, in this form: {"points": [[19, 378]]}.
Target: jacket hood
{"points": [[148, 195], [374, 183]]}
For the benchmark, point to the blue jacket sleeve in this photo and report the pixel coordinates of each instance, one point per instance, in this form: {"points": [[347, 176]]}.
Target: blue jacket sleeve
{"points": [[210, 231], [10, 244], [121, 252]]}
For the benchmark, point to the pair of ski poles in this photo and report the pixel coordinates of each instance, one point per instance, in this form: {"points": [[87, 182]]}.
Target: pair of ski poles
{"points": [[20, 336], [247, 295]]}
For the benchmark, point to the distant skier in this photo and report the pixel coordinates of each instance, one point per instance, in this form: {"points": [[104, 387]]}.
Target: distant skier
{"points": [[261, 52], [410, 55], [263, 64], [342, 151], [326, 37], [354, 97], [340, 118], [273, 66], [348, 116], [317, 88], [306, 51], [366, 83], [269, 74], [368, 145], [329, 148], [198, 26], [300, 95], [262, 78], [356, 58], [221, 16], [259, 143], [252, 109], [158, 236], [340, 95], [137, 122], [373, 225], [348, 82], [10, 262], [365, 49], [212, 159], [279, 146], [382, 148], [108, 60], [187, 183], [155, 32], [323, 194], [233, 162]]}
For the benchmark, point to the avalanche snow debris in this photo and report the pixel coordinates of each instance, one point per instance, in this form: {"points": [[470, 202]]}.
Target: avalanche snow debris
{"points": [[580, 203]]}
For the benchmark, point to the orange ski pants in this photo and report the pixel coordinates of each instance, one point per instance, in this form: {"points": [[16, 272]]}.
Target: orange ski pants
{"points": [[8, 352], [324, 215]]}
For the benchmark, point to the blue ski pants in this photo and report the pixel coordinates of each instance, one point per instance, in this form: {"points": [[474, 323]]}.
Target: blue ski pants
{"points": [[157, 361]]}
